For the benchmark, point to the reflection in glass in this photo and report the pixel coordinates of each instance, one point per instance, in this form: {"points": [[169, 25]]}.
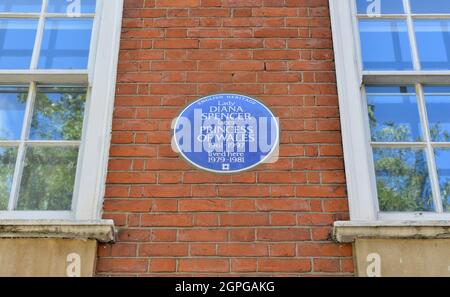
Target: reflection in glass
{"points": [[66, 44], [16, 43], [438, 109], [58, 113], [58, 6], [394, 118], [7, 163], [20, 5], [433, 43], [48, 178], [385, 45], [385, 7], [430, 6], [402, 180], [12, 111], [443, 167]]}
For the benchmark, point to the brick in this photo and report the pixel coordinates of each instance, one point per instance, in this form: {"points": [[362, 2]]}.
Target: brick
{"points": [[131, 177], [203, 265], [284, 265], [324, 249], [163, 249], [204, 205], [203, 249], [326, 265], [123, 250], [244, 220], [122, 265], [282, 205], [177, 3], [127, 205], [163, 265], [203, 235], [134, 235], [243, 250], [275, 32], [297, 234], [283, 250], [166, 220], [243, 265]]}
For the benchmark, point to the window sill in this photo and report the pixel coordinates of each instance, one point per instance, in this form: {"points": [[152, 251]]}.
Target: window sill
{"points": [[346, 232], [102, 230]]}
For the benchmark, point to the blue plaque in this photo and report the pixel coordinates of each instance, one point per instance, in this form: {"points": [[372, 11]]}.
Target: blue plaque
{"points": [[226, 133]]}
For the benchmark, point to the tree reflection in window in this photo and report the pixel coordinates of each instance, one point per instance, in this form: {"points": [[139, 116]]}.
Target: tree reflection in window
{"points": [[58, 113], [402, 180], [402, 176], [48, 178], [51, 149], [7, 164]]}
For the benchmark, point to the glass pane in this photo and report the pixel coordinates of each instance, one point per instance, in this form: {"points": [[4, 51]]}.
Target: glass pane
{"points": [[7, 163], [443, 167], [71, 6], [385, 45], [16, 43], [66, 44], [58, 114], [374, 7], [12, 111], [48, 178], [436, 89], [394, 118], [433, 43], [438, 110], [430, 6], [20, 5], [402, 180], [411, 90]]}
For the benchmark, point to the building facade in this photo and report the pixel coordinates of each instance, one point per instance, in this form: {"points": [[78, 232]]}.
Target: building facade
{"points": [[91, 185]]}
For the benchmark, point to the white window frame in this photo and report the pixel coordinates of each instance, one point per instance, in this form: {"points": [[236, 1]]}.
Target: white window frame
{"points": [[351, 78], [100, 80]]}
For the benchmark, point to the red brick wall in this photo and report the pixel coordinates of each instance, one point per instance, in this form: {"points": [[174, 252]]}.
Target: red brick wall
{"points": [[276, 220]]}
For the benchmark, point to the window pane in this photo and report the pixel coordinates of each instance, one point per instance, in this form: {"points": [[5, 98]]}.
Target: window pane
{"points": [[433, 43], [7, 164], [411, 90], [436, 89], [16, 43], [63, 6], [48, 178], [438, 110], [66, 44], [12, 111], [443, 167], [20, 5], [394, 118], [430, 6], [385, 45], [58, 114], [402, 180], [385, 7]]}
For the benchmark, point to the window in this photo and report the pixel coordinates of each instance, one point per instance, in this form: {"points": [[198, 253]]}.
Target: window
{"points": [[395, 106], [58, 62]]}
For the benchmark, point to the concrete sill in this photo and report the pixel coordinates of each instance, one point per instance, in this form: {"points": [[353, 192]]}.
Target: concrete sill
{"points": [[102, 230], [349, 231]]}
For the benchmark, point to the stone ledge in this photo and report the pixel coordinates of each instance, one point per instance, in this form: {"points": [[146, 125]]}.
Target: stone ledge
{"points": [[102, 230], [346, 232]]}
